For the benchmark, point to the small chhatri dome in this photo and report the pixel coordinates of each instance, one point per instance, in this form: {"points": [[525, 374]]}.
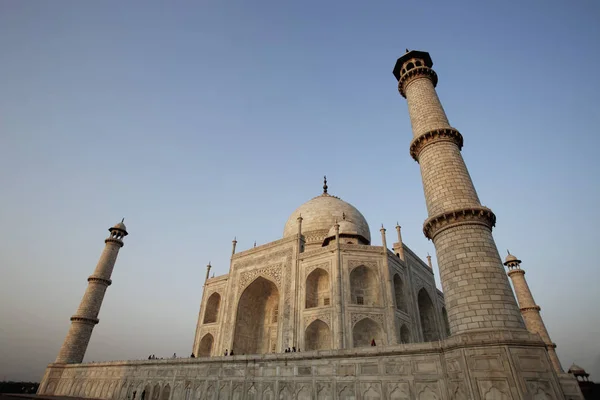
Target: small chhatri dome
{"points": [[321, 213], [346, 228], [576, 370], [120, 226]]}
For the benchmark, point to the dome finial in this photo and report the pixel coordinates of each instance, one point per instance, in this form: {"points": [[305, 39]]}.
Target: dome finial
{"points": [[325, 184], [122, 219]]}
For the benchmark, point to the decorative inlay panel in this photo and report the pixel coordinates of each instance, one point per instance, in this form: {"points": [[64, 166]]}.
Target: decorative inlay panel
{"points": [[273, 272], [325, 317], [357, 263], [324, 266], [359, 316]]}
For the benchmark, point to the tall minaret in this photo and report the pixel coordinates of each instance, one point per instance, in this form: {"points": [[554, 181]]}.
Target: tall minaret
{"points": [[82, 323], [476, 290], [530, 310]]}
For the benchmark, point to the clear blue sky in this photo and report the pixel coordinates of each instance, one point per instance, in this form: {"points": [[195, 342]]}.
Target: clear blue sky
{"points": [[201, 121]]}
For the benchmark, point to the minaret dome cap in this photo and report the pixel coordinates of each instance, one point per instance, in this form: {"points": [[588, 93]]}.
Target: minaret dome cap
{"points": [[119, 227], [422, 55], [510, 258]]}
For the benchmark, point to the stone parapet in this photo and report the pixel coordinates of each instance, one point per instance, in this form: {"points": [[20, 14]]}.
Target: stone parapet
{"points": [[508, 364]]}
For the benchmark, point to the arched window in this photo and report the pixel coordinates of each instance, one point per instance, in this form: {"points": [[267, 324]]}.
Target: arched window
{"points": [[364, 287], [418, 63], [404, 334], [410, 66], [365, 331], [212, 308], [317, 288], [255, 331], [317, 336], [206, 344], [446, 323], [399, 293], [427, 316]]}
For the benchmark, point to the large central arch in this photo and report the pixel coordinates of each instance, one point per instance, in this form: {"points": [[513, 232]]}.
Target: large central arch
{"points": [[257, 318]]}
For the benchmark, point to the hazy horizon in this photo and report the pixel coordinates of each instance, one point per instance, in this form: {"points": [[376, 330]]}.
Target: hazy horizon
{"points": [[201, 121]]}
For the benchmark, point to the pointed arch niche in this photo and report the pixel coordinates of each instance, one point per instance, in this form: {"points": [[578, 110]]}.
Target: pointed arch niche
{"points": [[399, 293], [206, 345], [404, 334], [166, 392], [446, 322], [256, 320], [212, 308], [364, 286], [317, 336], [427, 316], [365, 331], [317, 289]]}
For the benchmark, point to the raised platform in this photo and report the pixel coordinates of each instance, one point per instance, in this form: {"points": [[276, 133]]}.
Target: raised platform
{"points": [[487, 366]]}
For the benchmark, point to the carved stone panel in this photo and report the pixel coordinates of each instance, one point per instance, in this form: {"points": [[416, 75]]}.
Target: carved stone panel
{"points": [[304, 391], [540, 390], [396, 368], [286, 390], [346, 391], [398, 391], [371, 391], [324, 266], [497, 389], [273, 272], [355, 317], [252, 393], [491, 362], [427, 391], [325, 317], [324, 391], [457, 390], [357, 263]]}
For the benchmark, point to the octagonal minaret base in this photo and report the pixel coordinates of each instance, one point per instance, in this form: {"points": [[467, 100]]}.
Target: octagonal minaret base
{"points": [[82, 323], [530, 310], [476, 289]]}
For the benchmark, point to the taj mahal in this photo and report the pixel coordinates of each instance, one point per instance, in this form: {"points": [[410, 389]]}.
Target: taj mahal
{"points": [[364, 321]]}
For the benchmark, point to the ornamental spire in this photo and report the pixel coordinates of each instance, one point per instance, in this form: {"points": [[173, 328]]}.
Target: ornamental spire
{"points": [[325, 184]]}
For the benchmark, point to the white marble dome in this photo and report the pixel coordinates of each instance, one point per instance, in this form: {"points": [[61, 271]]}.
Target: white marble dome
{"points": [[319, 215]]}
